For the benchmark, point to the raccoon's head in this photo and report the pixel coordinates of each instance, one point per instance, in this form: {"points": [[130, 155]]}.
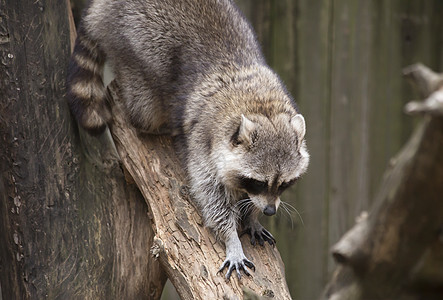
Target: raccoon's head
{"points": [[265, 156]]}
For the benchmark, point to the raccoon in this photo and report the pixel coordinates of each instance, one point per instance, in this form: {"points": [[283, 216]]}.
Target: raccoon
{"points": [[193, 69]]}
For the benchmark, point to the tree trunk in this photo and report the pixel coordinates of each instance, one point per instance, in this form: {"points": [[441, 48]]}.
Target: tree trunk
{"points": [[396, 251], [71, 227]]}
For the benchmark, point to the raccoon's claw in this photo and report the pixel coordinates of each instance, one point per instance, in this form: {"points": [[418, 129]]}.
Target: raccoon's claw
{"points": [[260, 235], [237, 265], [267, 236]]}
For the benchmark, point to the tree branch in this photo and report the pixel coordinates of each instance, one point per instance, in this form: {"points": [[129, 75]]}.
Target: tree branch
{"points": [[187, 251], [429, 85], [383, 256]]}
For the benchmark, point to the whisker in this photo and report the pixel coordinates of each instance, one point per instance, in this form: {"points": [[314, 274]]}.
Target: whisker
{"points": [[244, 206], [288, 207], [245, 210], [288, 215], [243, 202], [291, 207]]}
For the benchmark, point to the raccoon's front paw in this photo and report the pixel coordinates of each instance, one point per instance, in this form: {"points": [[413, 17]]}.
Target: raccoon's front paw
{"points": [[237, 263], [260, 234]]}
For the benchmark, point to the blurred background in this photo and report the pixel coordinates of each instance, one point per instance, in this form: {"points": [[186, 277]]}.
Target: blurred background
{"points": [[342, 61]]}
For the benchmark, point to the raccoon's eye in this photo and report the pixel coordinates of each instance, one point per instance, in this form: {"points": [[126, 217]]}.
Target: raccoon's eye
{"points": [[285, 185], [253, 186]]}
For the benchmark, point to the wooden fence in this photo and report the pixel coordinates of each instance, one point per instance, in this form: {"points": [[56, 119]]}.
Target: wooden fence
{"points": [[342, 60]]}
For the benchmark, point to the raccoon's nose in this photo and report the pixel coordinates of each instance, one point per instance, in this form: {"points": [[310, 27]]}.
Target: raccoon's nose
{"points": [[269, 210]]}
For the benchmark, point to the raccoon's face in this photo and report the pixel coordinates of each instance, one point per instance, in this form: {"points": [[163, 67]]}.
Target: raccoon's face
{"points": [[265, 157]]}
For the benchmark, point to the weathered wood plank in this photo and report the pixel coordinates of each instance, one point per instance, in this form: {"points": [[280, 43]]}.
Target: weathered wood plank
{"points": [[311, 197], [349, 116]]}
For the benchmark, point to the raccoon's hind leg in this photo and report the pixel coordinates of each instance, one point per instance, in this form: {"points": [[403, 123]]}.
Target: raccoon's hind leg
{"points": [[146, 110], [85, 91], [258, 233]]}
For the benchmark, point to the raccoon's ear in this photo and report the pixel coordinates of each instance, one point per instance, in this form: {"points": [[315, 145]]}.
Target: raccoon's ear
{"points": [[245, 131], [298, 122]]}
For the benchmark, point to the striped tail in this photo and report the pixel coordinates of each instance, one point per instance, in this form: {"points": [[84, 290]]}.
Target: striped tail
{"points": [[85, 90]]}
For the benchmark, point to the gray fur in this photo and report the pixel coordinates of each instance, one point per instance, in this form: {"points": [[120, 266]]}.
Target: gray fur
{"points": [[195, 68]]}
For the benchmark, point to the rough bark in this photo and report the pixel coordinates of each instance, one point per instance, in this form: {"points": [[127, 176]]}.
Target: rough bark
{"points": [[395, 252], [187, 251], [70, 225]]}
